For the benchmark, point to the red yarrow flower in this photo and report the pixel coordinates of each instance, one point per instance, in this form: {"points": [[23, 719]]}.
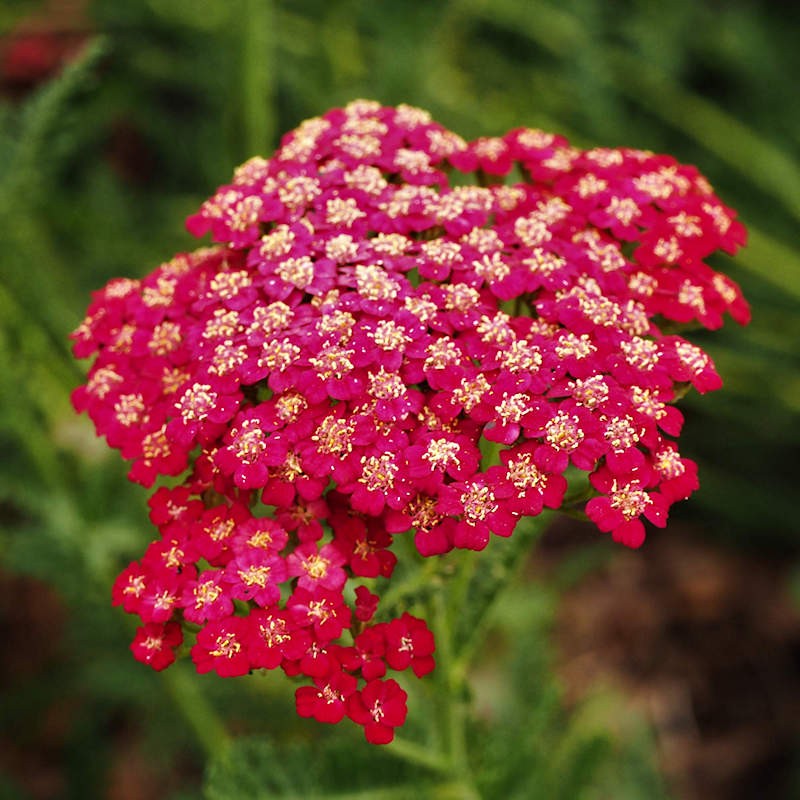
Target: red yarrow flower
{"points": [[409, 643], [327, 700], [397, 333], [380, 707], [222, 646], [154, 644]]}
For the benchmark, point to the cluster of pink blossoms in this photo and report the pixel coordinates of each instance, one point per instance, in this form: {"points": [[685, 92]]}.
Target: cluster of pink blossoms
{"points": [[377, 346]]}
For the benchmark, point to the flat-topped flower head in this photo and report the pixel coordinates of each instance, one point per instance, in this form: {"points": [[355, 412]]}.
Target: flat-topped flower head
{"points": [[397, 332]]}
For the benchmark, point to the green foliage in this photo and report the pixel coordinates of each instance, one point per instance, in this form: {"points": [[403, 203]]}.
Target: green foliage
{"points": [[99, 167], [531, 747], [67, 517], [37, 137], [485, 576], [260, 769]]}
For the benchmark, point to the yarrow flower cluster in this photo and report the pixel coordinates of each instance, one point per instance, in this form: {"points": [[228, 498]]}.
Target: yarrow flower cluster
{"points": [[377, 347]]}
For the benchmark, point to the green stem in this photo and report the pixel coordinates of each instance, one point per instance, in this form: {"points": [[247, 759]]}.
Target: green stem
{"points": [[257, 81], [458, 790], [453, 712], [447, 602], [501, 569], [452, 698], [207, 725], [458, 586], [417, 754]]}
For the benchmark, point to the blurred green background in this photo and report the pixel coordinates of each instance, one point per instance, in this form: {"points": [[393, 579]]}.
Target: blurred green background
{"points": [[119, 117]]}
